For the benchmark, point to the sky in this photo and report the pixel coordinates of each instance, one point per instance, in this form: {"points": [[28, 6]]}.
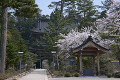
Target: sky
{"points": [[43, 5]]}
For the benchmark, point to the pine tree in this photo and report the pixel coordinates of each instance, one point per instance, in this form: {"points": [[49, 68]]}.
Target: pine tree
{"points": [[24, 25], [56, 26], [86, 13], [81, 10], [60, 5], [105, 7], [26, 8], [12, 58], [106, 4]]}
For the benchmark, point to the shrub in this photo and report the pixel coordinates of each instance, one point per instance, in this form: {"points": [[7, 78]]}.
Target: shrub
{"points": [[117, 75], [109, 75], [76, 74], [67, 74], [61, 67], [3, 77]]}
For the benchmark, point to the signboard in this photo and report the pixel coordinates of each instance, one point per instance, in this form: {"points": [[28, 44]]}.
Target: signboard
{"points": [[72, 60], [20, 52], [53, 52]]}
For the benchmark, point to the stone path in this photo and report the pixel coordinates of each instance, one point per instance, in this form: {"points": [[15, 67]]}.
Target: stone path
{"points": [[84, 78], [38, 74]]}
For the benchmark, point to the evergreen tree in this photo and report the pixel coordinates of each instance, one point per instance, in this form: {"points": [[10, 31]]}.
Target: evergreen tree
{"points": [[106, 4], [105, 7], [13, 39], [60, 5], [24, 25], [81, 10], [71, 12], [15, 44], [86, 13], [56, 26], [12, 58], [25, 8]]}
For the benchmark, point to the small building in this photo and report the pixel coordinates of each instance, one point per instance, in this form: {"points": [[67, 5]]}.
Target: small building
{"points": [[89, 48]]}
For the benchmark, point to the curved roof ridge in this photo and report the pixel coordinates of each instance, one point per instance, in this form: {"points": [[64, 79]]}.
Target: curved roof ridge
{"points": [[87, 40]]}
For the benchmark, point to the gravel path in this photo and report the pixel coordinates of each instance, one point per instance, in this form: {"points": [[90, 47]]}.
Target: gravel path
{"points": [[84, 78], [38, 74]]}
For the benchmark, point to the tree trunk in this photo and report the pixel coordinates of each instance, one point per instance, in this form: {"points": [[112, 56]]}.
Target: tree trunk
{"points": [[62, 7], [3, 39]]}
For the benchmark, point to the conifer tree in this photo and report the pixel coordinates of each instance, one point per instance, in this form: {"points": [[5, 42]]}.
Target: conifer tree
{"points": [[82, 10], [105, 7], [86, 13], [60, 5], [26, 8], [55, 27]]}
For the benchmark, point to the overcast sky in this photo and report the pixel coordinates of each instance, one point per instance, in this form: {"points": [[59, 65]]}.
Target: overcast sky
{"points": [[43, 5]]}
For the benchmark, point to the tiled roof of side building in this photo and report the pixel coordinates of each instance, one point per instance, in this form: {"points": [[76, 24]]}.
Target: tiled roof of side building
{"points": [[87, 40]]}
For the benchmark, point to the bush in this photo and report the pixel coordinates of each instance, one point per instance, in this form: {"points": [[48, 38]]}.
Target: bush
{"points": [[109, 75], [117, 75], [61, 67], [67, 74], [3, 77], [76, 74]]}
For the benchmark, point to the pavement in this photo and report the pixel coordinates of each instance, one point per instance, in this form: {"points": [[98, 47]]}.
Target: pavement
{"points": [[38, 74], [84, 78]]}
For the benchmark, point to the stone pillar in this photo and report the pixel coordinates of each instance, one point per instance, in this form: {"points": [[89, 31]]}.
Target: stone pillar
{"points": [[57, 63], [40, 61], [81, 64], [98, 64], [93, 66]]}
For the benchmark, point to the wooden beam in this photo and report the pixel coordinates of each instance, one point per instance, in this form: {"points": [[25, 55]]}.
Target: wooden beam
{"points": [[81, 64], [90, 49], [93, 66], [78, 64], [98, 64]]}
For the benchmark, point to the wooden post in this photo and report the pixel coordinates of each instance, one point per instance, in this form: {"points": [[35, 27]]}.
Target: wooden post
{"points": [[93, 66], [81, 64], [78, 64], [98, 65]]}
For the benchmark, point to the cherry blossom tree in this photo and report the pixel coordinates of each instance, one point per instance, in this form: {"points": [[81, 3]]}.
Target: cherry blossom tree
{"points": [[111, 24], [75, 38]]}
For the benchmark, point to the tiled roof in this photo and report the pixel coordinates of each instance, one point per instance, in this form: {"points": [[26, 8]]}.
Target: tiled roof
{"points": [[88, 40]]}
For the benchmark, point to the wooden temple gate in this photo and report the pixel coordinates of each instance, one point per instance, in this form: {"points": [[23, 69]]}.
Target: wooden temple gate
{"points": [[89, 49]]}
